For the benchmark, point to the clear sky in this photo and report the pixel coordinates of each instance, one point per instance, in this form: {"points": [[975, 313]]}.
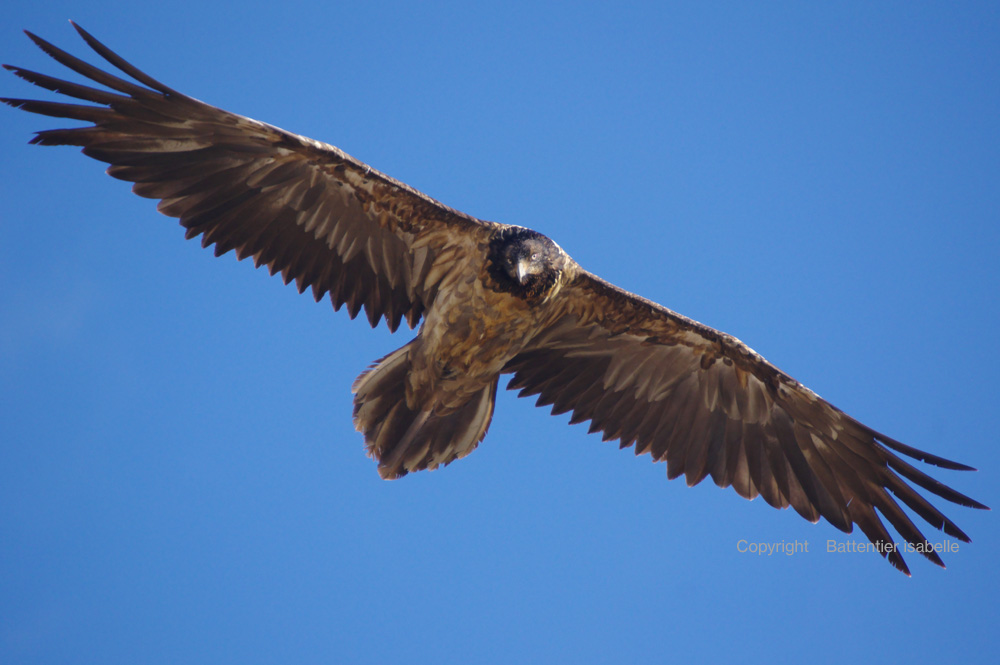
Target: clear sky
{"points": [[179, 478]]}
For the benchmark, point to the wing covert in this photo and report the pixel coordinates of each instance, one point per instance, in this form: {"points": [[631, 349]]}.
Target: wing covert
{"points": [[301, 207], [708, 405]]}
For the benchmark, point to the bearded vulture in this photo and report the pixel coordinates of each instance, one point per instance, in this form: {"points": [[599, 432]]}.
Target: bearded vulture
{"points": [[493, 299]]}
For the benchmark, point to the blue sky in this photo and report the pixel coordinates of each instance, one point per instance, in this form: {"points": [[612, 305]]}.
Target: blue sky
{"points": [[179, 477]]}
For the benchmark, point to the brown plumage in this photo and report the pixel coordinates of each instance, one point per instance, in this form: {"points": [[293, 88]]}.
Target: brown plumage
{"points": [[493, 299]]}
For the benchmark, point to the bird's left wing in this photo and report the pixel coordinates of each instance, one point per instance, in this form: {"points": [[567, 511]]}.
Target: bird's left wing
{"points": [[302, 208], [707, 404]]}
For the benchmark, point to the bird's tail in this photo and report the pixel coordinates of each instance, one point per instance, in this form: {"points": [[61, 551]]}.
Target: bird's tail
{"points": [[404, 438]]}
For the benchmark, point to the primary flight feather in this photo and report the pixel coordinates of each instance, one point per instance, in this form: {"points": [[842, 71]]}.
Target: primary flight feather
{"points": [[493, 299]]}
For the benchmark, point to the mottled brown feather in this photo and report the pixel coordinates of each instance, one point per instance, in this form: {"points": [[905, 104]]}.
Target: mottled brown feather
{"points": [[691, 396], [302, 208], [709, 405]]}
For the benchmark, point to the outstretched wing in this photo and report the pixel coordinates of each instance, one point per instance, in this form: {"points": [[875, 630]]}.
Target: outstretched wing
{"points": [[300, 207], [709, 405]]}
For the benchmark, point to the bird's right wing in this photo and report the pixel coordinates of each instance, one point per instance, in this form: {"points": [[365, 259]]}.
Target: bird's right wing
{"points": [[302, 208]]}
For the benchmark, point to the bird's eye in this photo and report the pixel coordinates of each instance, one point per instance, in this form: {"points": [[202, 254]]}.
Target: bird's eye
{"points": [[534, 256]]}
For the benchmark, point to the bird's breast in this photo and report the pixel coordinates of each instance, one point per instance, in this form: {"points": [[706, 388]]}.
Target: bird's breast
{"points": [[472, 331]]}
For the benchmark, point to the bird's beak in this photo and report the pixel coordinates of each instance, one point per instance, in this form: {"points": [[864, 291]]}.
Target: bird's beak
{"points": [[522, 271]]}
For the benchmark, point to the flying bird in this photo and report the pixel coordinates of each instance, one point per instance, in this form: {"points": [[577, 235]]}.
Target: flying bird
{"points": [[490, 299]]}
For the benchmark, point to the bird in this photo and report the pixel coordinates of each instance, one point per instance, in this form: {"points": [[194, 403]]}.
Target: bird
{"points": [[490, 299]]}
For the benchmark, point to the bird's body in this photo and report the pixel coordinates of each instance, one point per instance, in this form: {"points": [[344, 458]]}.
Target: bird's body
{"points": [[498, 303], [493, 299]]}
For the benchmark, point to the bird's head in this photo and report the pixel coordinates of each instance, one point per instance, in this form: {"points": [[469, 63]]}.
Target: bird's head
{"points": [[529, 257], [526, 262]]}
